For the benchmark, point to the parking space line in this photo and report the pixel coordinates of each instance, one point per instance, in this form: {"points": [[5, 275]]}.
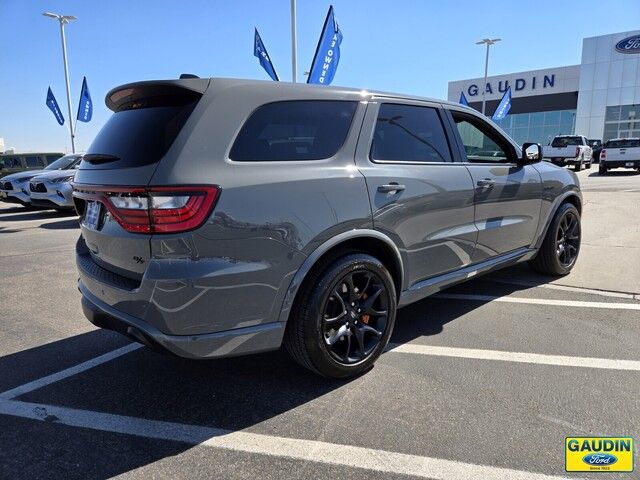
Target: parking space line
{"points": [[68, 372], [518, 357], [539, 301], [566, 288], [262, 444]]}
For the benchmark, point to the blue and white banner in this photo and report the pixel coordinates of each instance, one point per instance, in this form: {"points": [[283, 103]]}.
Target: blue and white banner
{"points": [[504, 106], [325, 61], [463, 100], [85, 107], [260, 51], [53, 106]]}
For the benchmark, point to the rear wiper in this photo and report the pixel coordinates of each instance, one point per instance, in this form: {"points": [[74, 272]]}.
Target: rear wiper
{"points": [[97, 158]]}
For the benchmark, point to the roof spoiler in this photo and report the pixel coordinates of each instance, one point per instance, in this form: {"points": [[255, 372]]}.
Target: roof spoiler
{"points": [[155, 93]]}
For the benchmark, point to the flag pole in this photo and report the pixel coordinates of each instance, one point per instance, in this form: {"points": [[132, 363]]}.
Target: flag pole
{"points": [[294, 46]]}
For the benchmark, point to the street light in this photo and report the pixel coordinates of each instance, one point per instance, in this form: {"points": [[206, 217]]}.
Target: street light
{"points": [[294, 46], [488, 42], [64, 19]]}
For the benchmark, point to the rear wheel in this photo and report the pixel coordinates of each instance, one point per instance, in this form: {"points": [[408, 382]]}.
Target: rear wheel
{"points": [[588, 166], [561, 244], [578, 166], [343, 317], [602, 170]]}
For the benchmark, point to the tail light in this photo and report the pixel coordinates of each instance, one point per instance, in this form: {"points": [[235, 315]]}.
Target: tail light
{"points": [[154, 209], [577, 151], [603, 154]]}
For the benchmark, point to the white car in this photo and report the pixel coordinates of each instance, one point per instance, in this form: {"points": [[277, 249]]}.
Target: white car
{"points": [[14, 188], [620, 153], [53, 189], [569, 150]]}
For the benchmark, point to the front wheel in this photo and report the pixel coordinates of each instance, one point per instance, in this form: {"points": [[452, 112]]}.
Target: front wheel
{"points": [[343, 317], [561, 245]]}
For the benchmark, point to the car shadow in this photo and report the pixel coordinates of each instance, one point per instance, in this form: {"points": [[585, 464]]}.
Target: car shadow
{"points": [[616, 173], [61, 225], [36, 215], [262, 391]]}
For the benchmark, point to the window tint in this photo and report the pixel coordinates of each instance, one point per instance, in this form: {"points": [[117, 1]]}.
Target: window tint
{"points": [[294, 130], [566, 141], [481, 144], [52, 158], [409, 133], [625, 143], [34, 161]]}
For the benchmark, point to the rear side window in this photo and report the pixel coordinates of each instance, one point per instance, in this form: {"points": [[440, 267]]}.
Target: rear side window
{"points": [[294, 130], [34, 161], [409, 133]]}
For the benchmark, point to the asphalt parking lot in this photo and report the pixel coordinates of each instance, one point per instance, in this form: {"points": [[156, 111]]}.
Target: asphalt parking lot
{"points": [[483, 381]]}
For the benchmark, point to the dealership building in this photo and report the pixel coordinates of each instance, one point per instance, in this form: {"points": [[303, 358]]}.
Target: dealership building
{"points": [[599, 98]]}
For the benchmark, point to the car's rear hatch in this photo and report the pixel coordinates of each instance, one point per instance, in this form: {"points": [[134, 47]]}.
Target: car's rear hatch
{"points": [[114, 176], [623, 149]]}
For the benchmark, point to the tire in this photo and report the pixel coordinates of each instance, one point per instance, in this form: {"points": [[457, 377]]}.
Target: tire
{"points": [[578, 166], [602, 170], [551, 259], [322, 310], [588, 166]]}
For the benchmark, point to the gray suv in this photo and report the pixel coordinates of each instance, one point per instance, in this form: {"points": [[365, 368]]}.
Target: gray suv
{"points": [[224, 217]]}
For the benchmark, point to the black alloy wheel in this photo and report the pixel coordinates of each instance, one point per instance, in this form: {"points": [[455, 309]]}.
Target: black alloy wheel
{"points": [[568, 239], [355, 316]]}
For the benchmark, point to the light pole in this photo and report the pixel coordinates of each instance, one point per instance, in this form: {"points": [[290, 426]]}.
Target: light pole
{"points": [[488, 42], [64, 19], [294, 46]]}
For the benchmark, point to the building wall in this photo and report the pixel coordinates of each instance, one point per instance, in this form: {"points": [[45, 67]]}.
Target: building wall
{"points": [[607, 78]]}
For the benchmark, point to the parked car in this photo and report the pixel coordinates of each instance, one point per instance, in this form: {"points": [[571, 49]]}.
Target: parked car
{"points": [[596, 148], [620, 153], [14, 188], [569, 150], [17, 162], [53, 189], [224, 217]]}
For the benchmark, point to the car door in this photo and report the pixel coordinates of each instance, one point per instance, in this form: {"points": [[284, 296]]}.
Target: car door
{"points": [[421, 197], [508, 195]]}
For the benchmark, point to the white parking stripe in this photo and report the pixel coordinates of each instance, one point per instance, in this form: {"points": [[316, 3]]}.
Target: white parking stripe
{"points": [[519, 357], [539, 301], [565, 288], [68, 372], [261, 444]]}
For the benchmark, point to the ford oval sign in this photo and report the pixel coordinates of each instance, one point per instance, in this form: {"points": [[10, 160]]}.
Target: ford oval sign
{"points": [[629, 45], [599, 459]]}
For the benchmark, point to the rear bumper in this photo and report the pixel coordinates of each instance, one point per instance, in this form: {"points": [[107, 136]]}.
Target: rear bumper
{"points": [[239, 341], [563, 161], [620, 163]]}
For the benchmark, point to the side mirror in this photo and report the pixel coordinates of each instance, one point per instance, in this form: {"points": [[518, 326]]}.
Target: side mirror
{"points": [[531, 153]]}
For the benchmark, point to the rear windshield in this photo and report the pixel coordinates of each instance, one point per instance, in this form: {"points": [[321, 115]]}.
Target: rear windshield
{"points": [[625, 143], [566, 141], [294, 130], [137, 136]]}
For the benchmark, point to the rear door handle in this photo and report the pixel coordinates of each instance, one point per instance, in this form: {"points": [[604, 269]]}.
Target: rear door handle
{"points": [[391, 187], [486, 183]]}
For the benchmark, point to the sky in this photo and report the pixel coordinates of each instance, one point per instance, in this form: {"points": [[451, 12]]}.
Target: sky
{"points": [[407, 46]]}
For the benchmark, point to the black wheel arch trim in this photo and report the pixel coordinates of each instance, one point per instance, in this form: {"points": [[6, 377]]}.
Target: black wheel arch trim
{"points": [[325, 247], [559, 200]]}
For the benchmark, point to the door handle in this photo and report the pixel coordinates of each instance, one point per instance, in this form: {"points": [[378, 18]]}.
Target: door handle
{"points": [[391, 187], [486, 183]]}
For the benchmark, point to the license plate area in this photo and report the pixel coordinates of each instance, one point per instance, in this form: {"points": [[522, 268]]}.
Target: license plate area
{"points": [[92, 214]]}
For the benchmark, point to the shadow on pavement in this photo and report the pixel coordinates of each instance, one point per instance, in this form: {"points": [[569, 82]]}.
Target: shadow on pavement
{"points": [[61, 225], [616, 173], [36, 215]]}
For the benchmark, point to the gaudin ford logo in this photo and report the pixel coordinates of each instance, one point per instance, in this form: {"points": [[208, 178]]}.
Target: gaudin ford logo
{"points": [[599, 454], [629, 45]]}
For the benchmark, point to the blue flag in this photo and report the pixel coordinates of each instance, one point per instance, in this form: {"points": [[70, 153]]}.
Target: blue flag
{"points": [[85, 107], [325, 61], [463, 100], [504, 106], [53, 106], [260, 51]]}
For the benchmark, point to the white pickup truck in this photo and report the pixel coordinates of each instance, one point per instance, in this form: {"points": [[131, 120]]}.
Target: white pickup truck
{"points": [[569, 150], [620, 153]]}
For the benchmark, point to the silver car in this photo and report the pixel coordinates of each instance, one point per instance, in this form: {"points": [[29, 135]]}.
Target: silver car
{"points": [[224, 217], [53, 189]]}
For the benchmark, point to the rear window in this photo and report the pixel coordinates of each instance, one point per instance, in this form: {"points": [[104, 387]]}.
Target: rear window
{"points": [[625, 143], [136, 137], [566, 141], [294, 130], [34, 161]]}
